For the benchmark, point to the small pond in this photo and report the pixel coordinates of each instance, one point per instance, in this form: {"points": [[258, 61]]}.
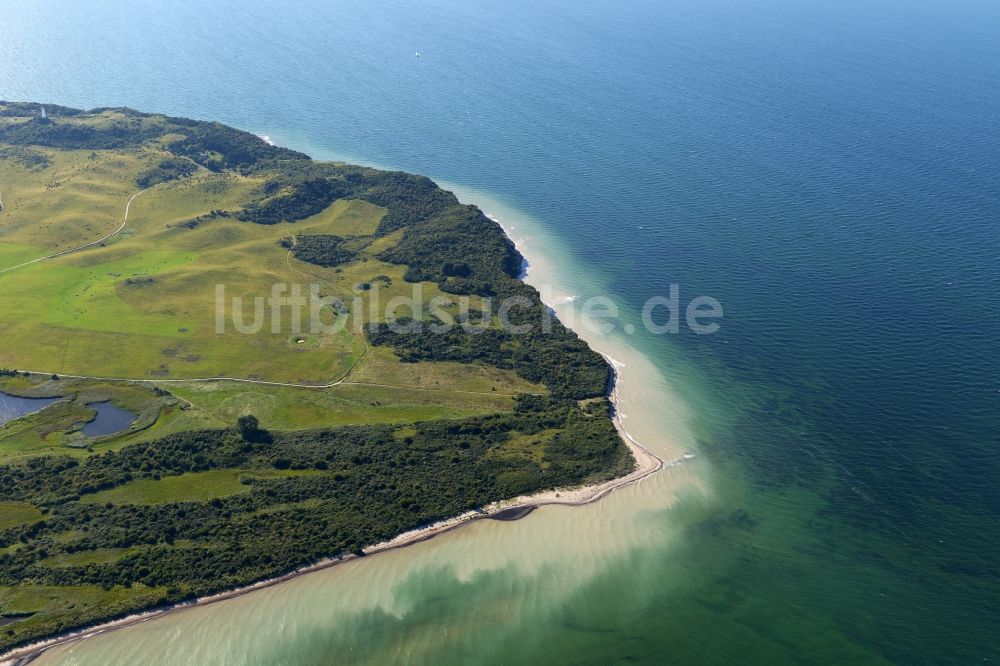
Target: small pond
{"points": [[109, 420], [12, 407]]}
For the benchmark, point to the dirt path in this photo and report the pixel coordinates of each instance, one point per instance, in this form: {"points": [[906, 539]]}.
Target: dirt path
{"points": [[114, 233]]}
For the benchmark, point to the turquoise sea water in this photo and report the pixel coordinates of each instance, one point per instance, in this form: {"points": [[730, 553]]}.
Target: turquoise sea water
{"points": [[828, 171]]}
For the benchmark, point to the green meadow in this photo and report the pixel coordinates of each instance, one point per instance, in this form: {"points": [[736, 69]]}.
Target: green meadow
{"points": [[143, 305], [13, 514]]}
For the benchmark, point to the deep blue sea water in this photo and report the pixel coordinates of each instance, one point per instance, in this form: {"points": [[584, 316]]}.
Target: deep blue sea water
{"points": [[829, 171]]}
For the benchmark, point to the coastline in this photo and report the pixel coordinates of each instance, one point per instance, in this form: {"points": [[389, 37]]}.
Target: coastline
{"points": [[647, 463]]}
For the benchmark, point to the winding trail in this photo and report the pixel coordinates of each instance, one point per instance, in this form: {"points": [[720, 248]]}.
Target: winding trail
{"points": [[114, 233], [340, 382]]}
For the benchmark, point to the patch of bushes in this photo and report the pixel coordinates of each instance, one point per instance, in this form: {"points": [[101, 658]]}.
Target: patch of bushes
{"points": [[168, 169], [32, 160], [216, 146], [322, 250], [302, 200]]}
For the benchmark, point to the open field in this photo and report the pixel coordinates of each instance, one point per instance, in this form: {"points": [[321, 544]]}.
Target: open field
{"points": [[283, 408], [143, 305], [151, 292]]}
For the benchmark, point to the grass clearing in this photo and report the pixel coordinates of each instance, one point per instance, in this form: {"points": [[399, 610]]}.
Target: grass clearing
{"points": [[382, 366], [43, 604], [346, 217], [191, 487], [15, 514], [530, 447], [85, 557]]}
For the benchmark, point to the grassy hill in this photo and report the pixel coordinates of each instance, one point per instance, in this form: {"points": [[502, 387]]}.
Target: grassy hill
{"points": [[363, 428]]}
